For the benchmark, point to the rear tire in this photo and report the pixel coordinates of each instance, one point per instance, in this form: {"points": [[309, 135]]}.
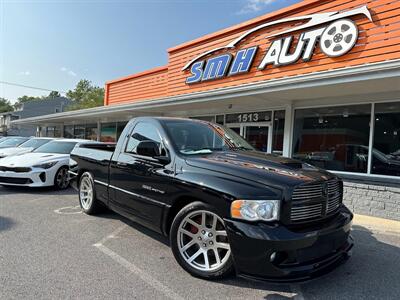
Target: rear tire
{"points": [[87, 194], [61, 180], [199, 242]]}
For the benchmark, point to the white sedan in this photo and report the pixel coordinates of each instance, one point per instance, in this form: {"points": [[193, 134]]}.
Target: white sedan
{"points": [[46, 166], [28, 146]]}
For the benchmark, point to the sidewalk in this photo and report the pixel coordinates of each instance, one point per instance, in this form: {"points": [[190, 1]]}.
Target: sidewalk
{"points": [[377, 224]]}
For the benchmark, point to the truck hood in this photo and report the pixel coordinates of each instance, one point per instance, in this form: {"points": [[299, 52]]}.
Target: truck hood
{"points": [[260, 167], [13, 151], [32, 159]]}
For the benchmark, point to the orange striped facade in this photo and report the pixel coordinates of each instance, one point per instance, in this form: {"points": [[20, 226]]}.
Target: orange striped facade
{"points": [[378, 41]]}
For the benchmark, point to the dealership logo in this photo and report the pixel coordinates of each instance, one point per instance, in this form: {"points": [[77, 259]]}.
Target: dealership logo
{"points": [[336, 38]]}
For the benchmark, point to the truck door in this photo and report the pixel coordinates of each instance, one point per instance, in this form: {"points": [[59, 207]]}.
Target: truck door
{"points": [[140, 183]]}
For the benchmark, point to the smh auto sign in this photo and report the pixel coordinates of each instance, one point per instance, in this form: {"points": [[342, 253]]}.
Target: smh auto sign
{"points": [[337, 37]]}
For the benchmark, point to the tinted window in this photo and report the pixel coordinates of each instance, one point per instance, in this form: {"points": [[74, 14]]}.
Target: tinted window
{"points": [[386, 151], [333, 138], [142, 132], [69, 131], [56, 147], [108, 132], [202, 137], [34, 143], [79, 132], [13, 142], [91, 132], [277, 134]]}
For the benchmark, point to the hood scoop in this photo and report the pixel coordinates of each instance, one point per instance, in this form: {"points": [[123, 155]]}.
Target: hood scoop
{"points": [[293, 164]]}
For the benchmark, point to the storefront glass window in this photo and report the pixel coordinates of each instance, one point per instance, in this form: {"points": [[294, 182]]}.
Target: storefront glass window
{"points": [[220, 119], [108, 132], [333, 138], [91, 132], [53, 131], [79, 131], [69, 131], [386, 150], [120, 128], [277, 134], [50, 131]]}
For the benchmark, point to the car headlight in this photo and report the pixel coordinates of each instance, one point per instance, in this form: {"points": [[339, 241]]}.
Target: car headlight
{"points": [[72, 163], [255, 210], [46, 165]]}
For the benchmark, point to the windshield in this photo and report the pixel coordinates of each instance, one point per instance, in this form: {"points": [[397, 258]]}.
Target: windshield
{"points": [[12, 142], [56, 147], [195, 137], [34, 143]]}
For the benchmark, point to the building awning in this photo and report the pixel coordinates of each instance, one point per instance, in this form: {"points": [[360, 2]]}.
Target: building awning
{"points": [[369, 82]]}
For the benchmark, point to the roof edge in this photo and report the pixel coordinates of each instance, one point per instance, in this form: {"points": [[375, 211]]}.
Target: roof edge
{"points": [[147, 72]]}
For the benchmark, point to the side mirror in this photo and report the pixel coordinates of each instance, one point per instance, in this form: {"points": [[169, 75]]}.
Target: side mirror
{"points": [[148, 148]]}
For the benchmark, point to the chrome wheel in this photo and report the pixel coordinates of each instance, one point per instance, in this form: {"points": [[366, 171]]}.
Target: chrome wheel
{"points": [[62, 178], [86, 193], [203, 242], [339, 38]]}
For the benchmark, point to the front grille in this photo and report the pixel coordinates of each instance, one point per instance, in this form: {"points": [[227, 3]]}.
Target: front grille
{"points": [[15, 169], [13, 180], [315, 201]]}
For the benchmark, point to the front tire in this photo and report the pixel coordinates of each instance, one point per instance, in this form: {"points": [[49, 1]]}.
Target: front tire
{"points": [[61, 179], [87, 194], [199, 242]]}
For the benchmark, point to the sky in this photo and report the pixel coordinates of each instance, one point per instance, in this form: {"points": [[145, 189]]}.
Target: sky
{"points": [[53, 44]]}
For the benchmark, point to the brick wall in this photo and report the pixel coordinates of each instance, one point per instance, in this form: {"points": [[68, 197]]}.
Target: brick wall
{"points": [[372, 199]]}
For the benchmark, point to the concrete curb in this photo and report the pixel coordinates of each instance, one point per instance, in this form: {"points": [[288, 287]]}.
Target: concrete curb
{"points": [[377, 224]]}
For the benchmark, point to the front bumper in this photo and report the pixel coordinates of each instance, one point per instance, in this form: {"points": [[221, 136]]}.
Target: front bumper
{"points": [[277, 253], [35, 178]]}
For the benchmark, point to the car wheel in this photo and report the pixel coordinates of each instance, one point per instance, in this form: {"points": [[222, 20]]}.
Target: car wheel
{"points": [[87, 194], [199, 242], [61, 180]]}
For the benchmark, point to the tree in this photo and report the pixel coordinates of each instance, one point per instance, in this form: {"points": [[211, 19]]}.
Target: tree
{"points": [[54, 94], [5, 105], [85, 95]]}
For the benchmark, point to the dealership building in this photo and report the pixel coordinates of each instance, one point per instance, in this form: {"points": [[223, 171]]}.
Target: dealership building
{"points": [[317, 81]]}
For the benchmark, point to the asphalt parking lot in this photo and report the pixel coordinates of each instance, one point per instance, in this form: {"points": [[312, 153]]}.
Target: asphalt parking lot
{"points": [[50, 250]]}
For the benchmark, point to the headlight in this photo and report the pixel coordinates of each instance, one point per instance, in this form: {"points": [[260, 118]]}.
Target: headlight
{"points": [[72, 163], [46, 165], [255, 210]]}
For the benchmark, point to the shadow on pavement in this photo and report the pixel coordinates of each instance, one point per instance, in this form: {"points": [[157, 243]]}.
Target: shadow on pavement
{"points": [[46, 191], [108, 214], [6, 223], [372, 271]]}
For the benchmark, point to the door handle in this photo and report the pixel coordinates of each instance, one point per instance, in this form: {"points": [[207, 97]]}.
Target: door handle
{"points": [[122, 164]]}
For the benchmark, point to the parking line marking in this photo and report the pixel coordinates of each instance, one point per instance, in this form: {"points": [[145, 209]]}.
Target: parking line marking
{"points": [[111, 235], [157, 285], [60, 210], [296, 289]]}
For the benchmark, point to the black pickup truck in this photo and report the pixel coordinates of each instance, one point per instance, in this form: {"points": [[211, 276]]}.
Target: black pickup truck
{"points": [[225, 206]]}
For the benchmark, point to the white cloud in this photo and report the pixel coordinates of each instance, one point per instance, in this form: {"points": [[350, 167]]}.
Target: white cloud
{"points": [[25, 73], [68, 71], [252, 6]]}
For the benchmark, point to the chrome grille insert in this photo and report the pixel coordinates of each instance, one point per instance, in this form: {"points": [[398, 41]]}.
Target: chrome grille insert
{"points": [[310, 201]]}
